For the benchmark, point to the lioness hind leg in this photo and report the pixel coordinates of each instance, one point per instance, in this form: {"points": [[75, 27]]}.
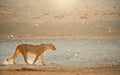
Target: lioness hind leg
{"points": [[16, 54], [25, 58]]}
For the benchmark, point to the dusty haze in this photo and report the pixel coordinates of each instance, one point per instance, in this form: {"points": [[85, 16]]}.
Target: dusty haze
{"points": [[59, 18]]}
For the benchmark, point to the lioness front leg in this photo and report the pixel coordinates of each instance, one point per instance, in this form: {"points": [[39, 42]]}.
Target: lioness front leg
{"points": [[42, 59], [35, 59]]}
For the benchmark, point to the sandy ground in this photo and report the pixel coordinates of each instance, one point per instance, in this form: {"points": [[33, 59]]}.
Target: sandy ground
{"points": [[56, 70]]}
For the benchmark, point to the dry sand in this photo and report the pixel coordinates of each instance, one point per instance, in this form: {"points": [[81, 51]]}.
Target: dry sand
{"points": [[56, 70]]}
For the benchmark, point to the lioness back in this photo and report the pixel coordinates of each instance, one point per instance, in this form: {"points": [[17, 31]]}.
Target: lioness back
{"points": [[35, 49]]}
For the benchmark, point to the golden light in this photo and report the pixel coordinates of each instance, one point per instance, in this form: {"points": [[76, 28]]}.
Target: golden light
{"points": [[62, 4]]}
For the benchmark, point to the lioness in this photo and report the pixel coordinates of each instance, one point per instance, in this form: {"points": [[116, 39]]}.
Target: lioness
{"points": [[36, 50]]}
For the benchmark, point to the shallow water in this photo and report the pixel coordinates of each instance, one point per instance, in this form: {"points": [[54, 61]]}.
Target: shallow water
{"points": [[70, 52]]}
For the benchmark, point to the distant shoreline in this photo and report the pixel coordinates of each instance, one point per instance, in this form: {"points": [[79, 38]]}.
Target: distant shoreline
{"points": [[4, 37]]}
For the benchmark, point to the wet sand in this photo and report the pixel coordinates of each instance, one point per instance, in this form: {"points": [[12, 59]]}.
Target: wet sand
{"points": [[69, 52]]}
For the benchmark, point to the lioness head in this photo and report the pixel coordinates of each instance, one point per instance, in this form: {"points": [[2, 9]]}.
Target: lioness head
{"points": [[51, 46]]}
